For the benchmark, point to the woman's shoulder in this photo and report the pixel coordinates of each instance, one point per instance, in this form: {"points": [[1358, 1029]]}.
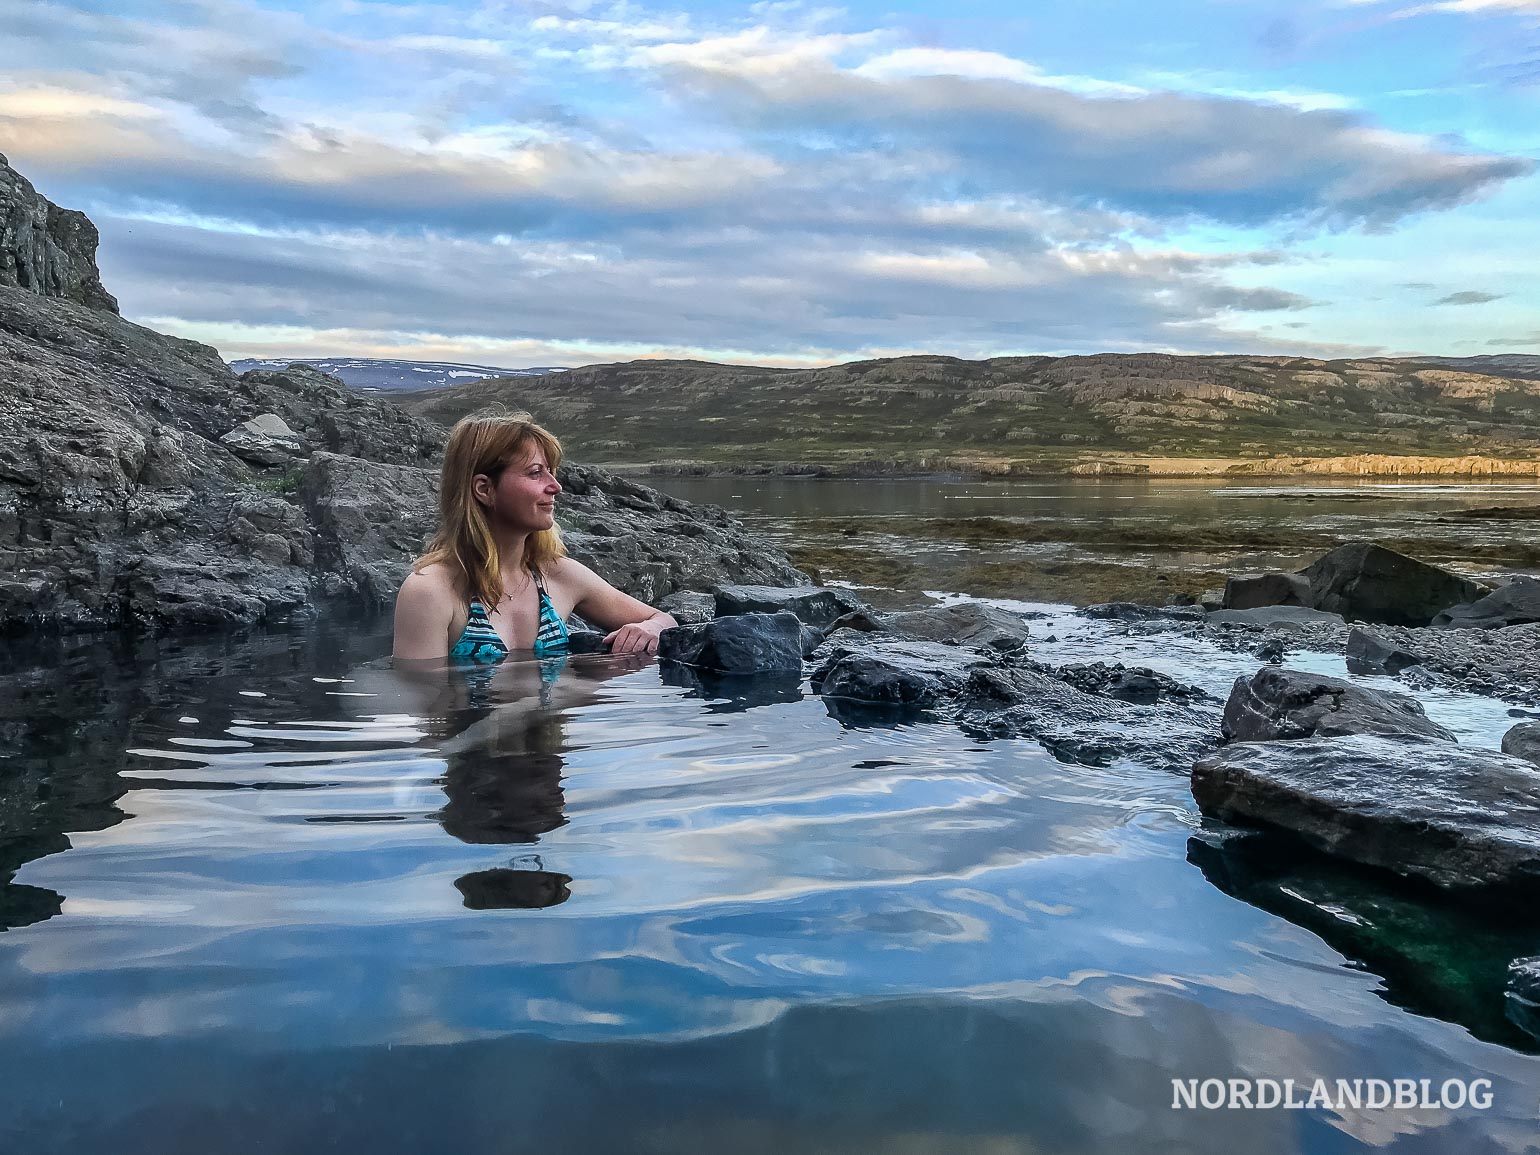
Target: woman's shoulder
{"points": [[431, 582], [567, 570]]}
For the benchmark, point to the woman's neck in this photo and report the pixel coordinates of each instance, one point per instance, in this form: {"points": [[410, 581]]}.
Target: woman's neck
{"points": [[510, 554]]}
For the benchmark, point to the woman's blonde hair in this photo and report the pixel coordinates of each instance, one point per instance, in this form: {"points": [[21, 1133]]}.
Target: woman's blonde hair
{"points": [[464, 542]]}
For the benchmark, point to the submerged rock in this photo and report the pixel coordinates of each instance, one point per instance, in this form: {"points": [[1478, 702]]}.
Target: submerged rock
{"points": [[1366, 582], [1523, 741], [1369, 654], [1514, 604], [1029, 700], [1524, 994], [1279, 703], [1436, 954], [1453, 816], [740, 644]]}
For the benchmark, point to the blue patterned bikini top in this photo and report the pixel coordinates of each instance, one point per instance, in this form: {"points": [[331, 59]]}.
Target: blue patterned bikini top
{"points": [[479, 641]]}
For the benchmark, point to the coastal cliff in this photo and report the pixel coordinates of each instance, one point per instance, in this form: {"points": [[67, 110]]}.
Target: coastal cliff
{"points": [[144, 483]]}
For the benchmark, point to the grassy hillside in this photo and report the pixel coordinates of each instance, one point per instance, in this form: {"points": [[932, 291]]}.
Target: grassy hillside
{"points": [[1022, 414]]}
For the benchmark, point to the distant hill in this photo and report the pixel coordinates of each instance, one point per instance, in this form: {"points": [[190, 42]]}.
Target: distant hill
{"points": [[1026, 414], [369, 373]]}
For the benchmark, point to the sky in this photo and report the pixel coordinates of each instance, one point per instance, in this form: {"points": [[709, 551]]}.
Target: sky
{"points": [[537, 183]]}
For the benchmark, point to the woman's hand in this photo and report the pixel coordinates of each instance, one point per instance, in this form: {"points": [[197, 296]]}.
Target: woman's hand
{"points": [[639, 637]]}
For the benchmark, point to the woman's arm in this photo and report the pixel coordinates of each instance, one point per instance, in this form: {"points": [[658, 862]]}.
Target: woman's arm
{"points": [[634, 625], [424, 612]]}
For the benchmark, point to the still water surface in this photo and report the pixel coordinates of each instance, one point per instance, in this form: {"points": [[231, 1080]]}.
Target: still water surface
{"points": [[268, 896]]}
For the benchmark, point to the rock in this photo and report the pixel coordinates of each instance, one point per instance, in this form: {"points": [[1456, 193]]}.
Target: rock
{"points": [[1211, 599], [1369, 583], [1278, 703], [47, 250], [751, 643], [1268, 589], [1271, 650], [1135, 612], [864, 620], [1523, 741], [734, 693], [894, 672], [1284, 617], [689, 607], [371, 521], [264, 440], [1456, 817], [1033, 701], [815, 605], [1516, 603], [1523, 994], [966, 623], [1368, 654], [1138, 684]]}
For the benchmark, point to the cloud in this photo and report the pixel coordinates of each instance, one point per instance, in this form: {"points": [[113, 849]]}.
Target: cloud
{"points": [[1162, 153], [1469, 297], [611, 180]]}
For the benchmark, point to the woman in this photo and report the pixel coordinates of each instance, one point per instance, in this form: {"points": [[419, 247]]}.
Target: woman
{"points": [[496, 578]]}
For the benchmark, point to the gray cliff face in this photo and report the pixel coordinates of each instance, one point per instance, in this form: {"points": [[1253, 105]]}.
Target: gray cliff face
{"points": [[45, 249], [144, 483]]}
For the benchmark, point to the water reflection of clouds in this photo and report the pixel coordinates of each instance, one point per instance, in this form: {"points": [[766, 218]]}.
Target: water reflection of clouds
{"points": [[983, 906]]}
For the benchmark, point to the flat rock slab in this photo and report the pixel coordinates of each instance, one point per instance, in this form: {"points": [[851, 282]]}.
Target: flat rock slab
{"points": [[1456, 817], [1284, 616], [815, 605], [1278, 703], [967, 623]]}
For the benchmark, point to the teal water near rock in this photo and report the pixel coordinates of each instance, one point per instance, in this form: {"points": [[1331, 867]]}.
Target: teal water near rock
{"points": [[268, 896]]}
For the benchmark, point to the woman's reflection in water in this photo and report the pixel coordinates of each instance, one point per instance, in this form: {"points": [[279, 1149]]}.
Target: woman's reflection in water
{"points": [[504, 730]]}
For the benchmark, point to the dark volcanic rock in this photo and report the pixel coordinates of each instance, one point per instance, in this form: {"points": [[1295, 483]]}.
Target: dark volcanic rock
{"points": [[1139, 684], [894, 672], [370, 521], [1134, 612], [815, 605], [1524, 994], [1275, 617], [741, 644], [1268, 589], [1523, 741], [1454, 816], [45, 249], [689, 607], [1028, 700], [1275, 703], [1369, 654], [1369, 583], [1517, 603], [967, 623]]}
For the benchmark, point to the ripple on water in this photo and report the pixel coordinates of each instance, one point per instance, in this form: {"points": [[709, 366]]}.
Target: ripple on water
{"points": [[631, 864]]}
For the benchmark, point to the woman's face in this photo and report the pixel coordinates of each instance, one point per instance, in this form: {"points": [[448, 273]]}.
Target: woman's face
{"points": [[523, 496]]}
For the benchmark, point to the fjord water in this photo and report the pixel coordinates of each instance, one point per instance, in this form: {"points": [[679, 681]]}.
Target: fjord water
{"points": [[269, 895]]}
